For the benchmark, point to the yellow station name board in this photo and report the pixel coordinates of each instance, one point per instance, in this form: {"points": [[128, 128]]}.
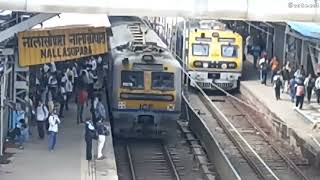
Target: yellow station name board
{"points": [[45, 46]]}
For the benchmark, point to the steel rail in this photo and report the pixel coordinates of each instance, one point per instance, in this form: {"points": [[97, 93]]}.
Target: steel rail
{"points": [[241, 148], [171, 163], [133, 174], [290, 163]]}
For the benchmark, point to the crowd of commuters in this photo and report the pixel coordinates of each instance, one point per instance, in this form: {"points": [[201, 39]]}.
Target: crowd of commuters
{"points": [[56, 86], [285, 80]]}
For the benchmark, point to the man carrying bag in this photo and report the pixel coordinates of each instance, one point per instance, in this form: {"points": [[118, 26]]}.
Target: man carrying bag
{"points": [[103, 131]]}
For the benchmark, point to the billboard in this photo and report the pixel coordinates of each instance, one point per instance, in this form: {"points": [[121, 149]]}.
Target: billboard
{"points": [[52, 45]]}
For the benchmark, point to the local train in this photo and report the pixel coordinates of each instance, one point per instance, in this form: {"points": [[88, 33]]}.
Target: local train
{"points": [[214, 54], [145, 92]]}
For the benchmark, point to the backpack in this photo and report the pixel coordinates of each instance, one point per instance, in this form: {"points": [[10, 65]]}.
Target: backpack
{"points": [[278, 83], [106, 130], [300, 90], [311, 83]]}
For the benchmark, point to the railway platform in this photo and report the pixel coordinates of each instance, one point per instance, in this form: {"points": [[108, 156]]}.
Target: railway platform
{"points": [[66, 162], [297, 127]]}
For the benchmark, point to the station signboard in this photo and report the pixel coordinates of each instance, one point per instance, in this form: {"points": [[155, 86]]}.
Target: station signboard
{"points": [[52, 45]]}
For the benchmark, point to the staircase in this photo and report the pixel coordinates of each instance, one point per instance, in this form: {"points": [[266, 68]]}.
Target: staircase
{"points": [[138, 35]]}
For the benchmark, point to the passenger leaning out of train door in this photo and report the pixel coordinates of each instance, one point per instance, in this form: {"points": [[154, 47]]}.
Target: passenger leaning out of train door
{"points": [[103, 131]]}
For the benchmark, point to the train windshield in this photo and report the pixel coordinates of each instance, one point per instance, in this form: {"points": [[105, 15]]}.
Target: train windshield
{"points": [[200, 49], [132, 79], [229, 51], [162, 80]]}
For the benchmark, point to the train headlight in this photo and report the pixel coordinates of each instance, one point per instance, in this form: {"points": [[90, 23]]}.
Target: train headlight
{"points": [[232, 65], [170, 107], [205, 65], [197, 64], [224, 66], [121, 105]]}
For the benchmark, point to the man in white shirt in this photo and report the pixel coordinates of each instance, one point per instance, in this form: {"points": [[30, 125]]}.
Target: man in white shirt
{"points": [[317, 86], [93, 63], [64, 78], [53, 67], [54, 122], [62, 99], [42, 115], [262, 62], [69, 88]]}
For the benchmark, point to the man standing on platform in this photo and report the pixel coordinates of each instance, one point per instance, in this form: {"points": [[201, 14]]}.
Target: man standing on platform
{"points": [[309, 83], [81, 100], [42, 115], [277, 85], [274, 67], [256, 53], [292, 87], [263, 70], [89, 136], [317, 85], [99, 110], [103, 131], [69, 89], [54, 121], [286, 77], [300, 94]]}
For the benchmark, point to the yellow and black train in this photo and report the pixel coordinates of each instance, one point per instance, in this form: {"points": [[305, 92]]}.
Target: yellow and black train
{"points": [[214, 54], [145, 95]]}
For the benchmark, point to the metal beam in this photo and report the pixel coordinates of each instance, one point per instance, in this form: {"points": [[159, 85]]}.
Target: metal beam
{"points": [[3, 80], [313, 59], [257, 27], [25, 25], [253, 10]]}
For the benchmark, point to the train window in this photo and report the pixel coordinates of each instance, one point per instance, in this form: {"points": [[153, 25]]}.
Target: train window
{"points": [[229, 51], [200, 49], [132, 79], [162, 80]]}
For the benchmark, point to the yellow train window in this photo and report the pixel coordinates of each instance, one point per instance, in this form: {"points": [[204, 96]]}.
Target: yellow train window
{"points": [[132, 79], [162, 80], [200, 49], [229, 51]]}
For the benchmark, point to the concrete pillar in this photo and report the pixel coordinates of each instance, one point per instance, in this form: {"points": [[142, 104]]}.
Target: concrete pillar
{"points": [[284, 61], [4, 58]]}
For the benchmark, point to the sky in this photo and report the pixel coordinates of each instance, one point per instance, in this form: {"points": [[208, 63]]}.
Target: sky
{"points": [[76, 19]]}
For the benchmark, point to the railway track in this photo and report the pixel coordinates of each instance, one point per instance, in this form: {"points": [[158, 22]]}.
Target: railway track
{"points": [[154, 160], [262, 156]]}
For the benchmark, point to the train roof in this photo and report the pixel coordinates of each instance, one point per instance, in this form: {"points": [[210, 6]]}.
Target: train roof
{"points": [[204, 25], [122, 34], [121, 42], [163, 58]]}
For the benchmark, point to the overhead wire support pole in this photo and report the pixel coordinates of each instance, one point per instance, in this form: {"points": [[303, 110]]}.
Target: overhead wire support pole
{"points": [[3, 89], [184, 44]]}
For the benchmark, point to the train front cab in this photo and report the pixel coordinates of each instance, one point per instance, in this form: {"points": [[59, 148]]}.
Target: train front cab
{"points": [[148, 102], [215, 57]]}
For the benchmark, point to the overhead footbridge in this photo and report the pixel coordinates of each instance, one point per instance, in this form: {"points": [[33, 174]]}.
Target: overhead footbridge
{"points": [[254, 10]]}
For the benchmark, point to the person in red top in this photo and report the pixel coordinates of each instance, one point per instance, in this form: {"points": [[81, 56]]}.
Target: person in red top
{"points": [[81, 100], [299, 94]]}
